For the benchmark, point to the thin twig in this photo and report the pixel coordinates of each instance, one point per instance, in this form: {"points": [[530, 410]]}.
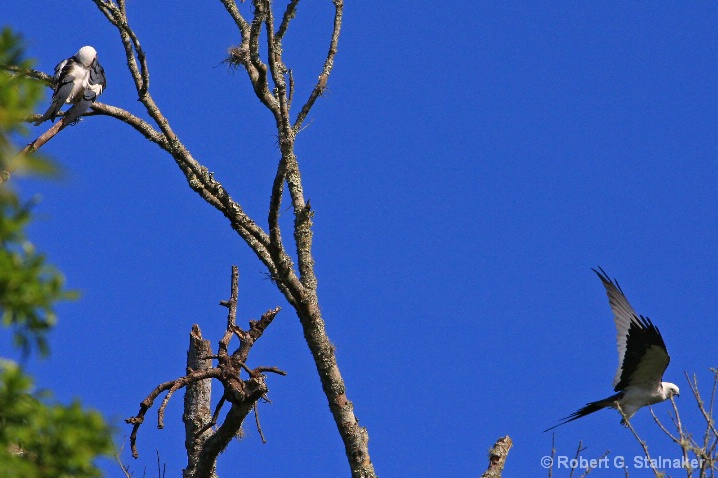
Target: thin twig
{"points": [[662, 427], [708, 416], [627, 422], [256, 420], [291, 89], [553, 455], [579, 449], [256, 329], [125, 469], [269, 369], [589, 469]]}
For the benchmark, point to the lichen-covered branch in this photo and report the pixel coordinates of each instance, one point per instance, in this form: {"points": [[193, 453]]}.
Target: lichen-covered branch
{"points": [[288, 16], [328, 65], [301, 285]]}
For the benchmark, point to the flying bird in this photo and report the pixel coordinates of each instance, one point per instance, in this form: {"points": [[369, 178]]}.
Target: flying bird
{"points": [[78, 80], [642, 359]]}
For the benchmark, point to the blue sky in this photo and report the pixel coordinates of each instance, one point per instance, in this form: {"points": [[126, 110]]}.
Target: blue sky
{"points": [[468, 166]]}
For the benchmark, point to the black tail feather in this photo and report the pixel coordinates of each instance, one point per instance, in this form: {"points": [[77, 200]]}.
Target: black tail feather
{"points": [[589, 409]]}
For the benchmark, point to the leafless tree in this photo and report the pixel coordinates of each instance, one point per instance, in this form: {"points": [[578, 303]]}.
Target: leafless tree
{"points": [[272, 81]]}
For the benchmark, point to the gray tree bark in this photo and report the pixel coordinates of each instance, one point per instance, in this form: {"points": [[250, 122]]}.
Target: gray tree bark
{"points": [[197, 402]]}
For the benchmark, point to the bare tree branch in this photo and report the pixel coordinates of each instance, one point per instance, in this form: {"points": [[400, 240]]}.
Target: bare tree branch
{"points": [[117, 15], [259, 427], [328, 64], [147, 403], [44, 138], [231, 7], [229, 429], [30, 73], [289, 14], [276, 66]]}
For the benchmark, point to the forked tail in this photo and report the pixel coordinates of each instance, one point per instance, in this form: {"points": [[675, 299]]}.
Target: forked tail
{"points": [[589, 409]]}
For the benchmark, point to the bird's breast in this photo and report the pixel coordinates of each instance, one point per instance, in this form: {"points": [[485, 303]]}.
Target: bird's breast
{"points": [[82, 77]]}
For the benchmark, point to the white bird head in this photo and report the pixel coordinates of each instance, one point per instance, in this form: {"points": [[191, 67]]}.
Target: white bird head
{"points": [[670, 389], [86, 55]]}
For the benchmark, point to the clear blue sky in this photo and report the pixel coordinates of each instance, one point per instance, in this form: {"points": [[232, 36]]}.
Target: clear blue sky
{"points": [[468, 165]]}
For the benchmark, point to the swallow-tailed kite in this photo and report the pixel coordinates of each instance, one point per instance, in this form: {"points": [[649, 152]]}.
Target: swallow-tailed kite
{"points": [[78, 80], [642, 359]]}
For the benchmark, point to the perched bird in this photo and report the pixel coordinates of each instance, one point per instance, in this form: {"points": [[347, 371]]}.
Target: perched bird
{"points": [[642, 359], [78, 80]]}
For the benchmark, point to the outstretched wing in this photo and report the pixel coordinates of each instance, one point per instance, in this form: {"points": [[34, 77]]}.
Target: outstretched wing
{"points": [[646, 357], [642, 354]]}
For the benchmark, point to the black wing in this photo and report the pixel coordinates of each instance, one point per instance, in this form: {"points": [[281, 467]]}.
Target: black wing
{"points": [[642, 354], [646, 357]]}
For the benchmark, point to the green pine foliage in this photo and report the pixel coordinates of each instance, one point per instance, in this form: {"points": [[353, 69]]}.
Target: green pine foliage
{"points": [[28, 285], [38, 437]]}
